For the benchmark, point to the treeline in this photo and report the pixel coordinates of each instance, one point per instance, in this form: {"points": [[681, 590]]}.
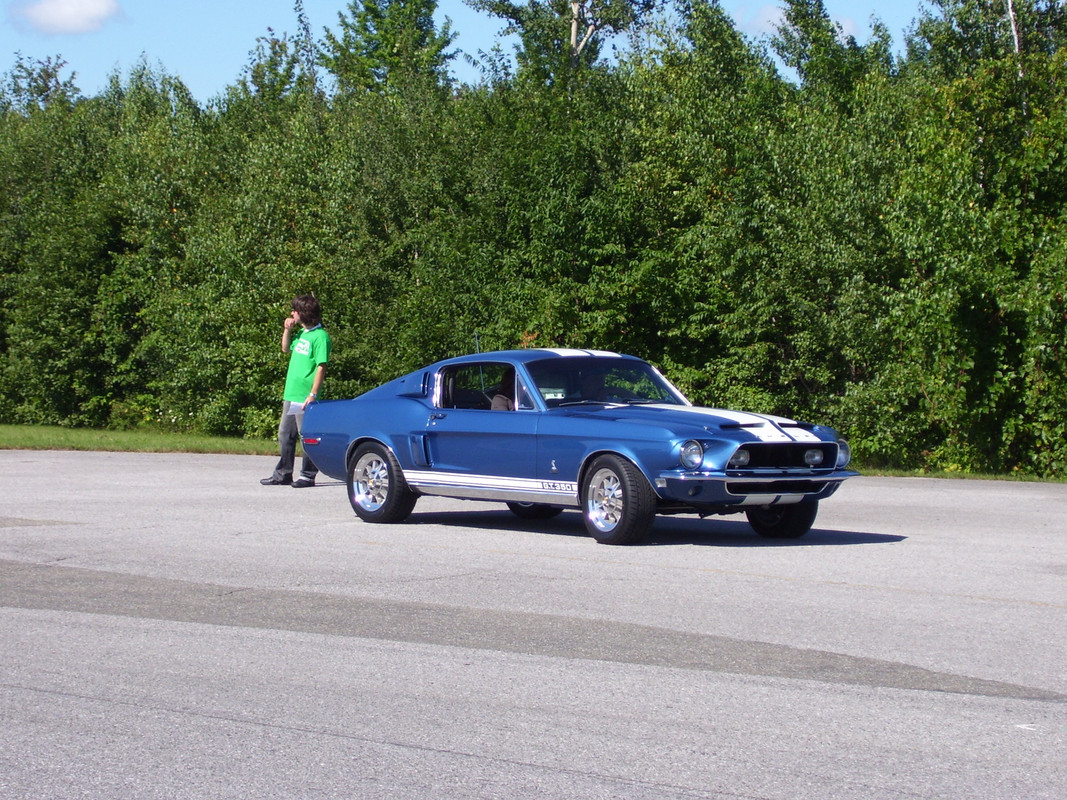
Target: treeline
{"points": [[862, 238]]}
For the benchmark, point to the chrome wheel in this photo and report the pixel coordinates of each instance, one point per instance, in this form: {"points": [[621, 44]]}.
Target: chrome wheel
{"points": [[370, 482], [618, 502], [376, 485], [604, 503]]}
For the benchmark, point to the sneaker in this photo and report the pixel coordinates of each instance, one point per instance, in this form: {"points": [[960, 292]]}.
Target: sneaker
{"points": [[303, 483], [272, 481]]}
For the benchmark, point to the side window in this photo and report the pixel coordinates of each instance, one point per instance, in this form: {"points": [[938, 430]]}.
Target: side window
{"points": [[552, 384], [471, 385], [523, 399]]}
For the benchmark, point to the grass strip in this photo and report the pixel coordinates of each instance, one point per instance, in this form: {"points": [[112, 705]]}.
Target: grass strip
{"points": [[54, 437]]}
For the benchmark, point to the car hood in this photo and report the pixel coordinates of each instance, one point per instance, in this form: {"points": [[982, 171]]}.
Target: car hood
{"points": [[696, 421]]}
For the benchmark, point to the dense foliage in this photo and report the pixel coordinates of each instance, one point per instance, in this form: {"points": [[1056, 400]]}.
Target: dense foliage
{"points": [[875, 241]]}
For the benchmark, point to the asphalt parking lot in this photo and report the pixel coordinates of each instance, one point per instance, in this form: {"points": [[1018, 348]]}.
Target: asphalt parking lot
{"points": [[171, 629]]}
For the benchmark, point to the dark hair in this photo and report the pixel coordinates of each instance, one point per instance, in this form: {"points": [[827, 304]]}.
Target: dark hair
{"points": [[307, 306]]}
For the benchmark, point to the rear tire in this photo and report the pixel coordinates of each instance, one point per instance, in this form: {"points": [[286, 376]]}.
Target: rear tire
{"points": [[618, 504], [783, 522], [376, 485]]}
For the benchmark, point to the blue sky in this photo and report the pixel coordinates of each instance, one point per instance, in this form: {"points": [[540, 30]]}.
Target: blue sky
{"points": [[206, 43]]}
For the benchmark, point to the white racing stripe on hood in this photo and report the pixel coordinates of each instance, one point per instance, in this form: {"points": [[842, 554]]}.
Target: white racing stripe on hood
{"points": [[766, 429]]}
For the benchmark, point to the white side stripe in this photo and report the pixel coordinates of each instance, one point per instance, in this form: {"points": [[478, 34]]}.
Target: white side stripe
{"points": [[463, 480]]}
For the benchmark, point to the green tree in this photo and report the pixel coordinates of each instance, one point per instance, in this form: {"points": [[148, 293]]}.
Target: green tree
{"points": [[692, 100], [160, 171], [272, 74], [384, 44], [955, 36], [965, 214], [559, 36], [252, 246], [879, 245], [826, 60], [36, 84], [54, 235]]}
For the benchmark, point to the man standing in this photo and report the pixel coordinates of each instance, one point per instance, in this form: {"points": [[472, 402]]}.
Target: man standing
{"points": [[310, 350]]}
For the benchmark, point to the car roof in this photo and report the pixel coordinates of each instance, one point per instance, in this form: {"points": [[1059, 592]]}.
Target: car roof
{"points": [[533, 354]]}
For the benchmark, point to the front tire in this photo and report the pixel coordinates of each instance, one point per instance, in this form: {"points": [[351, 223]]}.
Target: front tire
{"points": [[376, 485], [618, 503], [783, 522]]}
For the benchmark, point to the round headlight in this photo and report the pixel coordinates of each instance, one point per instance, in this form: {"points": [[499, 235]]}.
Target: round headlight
{"points": [[813, 457], [844, 453], [692, 454], [740, 458]]}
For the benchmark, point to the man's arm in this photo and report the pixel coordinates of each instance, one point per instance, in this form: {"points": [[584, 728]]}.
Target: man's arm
{"points": [[316, 384], [287, 332]]}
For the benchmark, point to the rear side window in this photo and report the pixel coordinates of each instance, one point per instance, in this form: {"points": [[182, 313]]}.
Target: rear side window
{"points": [[471, 385], [476, 385]]}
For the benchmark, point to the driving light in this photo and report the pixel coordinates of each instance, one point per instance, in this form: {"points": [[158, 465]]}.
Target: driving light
{"points": [[844, 453], [692, 454], [813, 457], [740, 458]]}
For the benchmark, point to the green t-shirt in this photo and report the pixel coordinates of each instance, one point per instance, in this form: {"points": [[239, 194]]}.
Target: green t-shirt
{"points": [[307, 350]]}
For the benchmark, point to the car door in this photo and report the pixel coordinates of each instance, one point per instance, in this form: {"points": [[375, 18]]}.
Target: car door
{"points": [[478, 451]]}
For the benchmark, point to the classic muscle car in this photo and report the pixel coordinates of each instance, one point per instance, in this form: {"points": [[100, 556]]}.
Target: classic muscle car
{"points": [[545, 430]]}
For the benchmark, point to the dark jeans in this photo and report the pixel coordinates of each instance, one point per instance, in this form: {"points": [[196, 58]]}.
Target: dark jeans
{"points": [[288, 433]]}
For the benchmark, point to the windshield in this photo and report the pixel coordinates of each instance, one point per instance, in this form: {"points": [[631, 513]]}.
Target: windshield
{"points": [[596, 379]]}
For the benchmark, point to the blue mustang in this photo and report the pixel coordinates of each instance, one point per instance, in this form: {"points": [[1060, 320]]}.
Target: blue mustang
{"points": [[545, 430]]}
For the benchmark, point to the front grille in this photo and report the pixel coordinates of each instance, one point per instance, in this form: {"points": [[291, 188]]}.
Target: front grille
{"points": [[775, 487], [788, 455]]}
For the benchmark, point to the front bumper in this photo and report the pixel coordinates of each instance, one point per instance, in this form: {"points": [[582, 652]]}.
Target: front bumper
{"points": [[742, 489]]}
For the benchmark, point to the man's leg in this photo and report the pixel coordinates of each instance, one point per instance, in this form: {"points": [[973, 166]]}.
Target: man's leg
{"points": [[308, 470], [288, 432]]}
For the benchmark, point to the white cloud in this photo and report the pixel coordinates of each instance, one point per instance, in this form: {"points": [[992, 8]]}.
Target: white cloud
{"points": [[852, 28], [768, 18], [757, 21], [765, 19], [66, 16]]}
